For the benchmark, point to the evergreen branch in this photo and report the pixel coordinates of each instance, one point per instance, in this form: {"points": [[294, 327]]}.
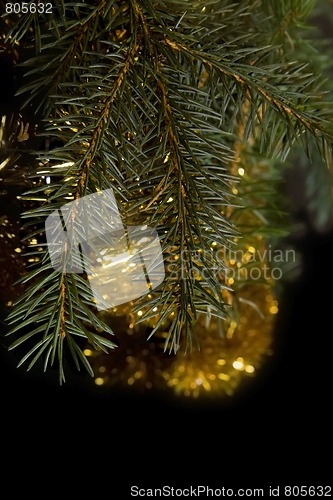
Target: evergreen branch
{"points": [[103, 120], [48, 308], [241, 74], [184, 230], [151, 98]]}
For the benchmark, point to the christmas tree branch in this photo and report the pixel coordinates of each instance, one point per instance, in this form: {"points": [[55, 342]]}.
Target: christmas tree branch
{"points": [[150, 100]]}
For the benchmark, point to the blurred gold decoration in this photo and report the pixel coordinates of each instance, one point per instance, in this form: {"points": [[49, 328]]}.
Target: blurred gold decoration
{"points": [[12, 266], [136, 363], [230, 354], [23, 134]]}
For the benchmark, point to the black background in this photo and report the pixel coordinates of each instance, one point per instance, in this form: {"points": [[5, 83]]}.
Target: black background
{"points": [[277, 431]]}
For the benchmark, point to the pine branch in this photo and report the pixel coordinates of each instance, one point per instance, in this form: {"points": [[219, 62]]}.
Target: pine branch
{"points": [[147, 98]]}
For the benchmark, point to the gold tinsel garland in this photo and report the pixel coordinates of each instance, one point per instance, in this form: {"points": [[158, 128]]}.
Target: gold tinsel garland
{"points": [[228, 351]]}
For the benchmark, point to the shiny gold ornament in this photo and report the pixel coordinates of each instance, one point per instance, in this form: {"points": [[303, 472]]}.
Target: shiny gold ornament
{"points": [[229, 353], [136, 364]]}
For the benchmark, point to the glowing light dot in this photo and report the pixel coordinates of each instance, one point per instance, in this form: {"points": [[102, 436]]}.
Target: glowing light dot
{"points": [[198, 381], [18, 250], [224, 376], [231, 281], [155, 309], [206, 385], [33, 241], [99, 381], [251, 249], [87, 352], [140, 313], [234, 191], [274, 310], [170, 199], [166, 158], [238, 364], [241, 171], [230, 333], [247, 257], [249, 369], [221, 362], [232, 262]]}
